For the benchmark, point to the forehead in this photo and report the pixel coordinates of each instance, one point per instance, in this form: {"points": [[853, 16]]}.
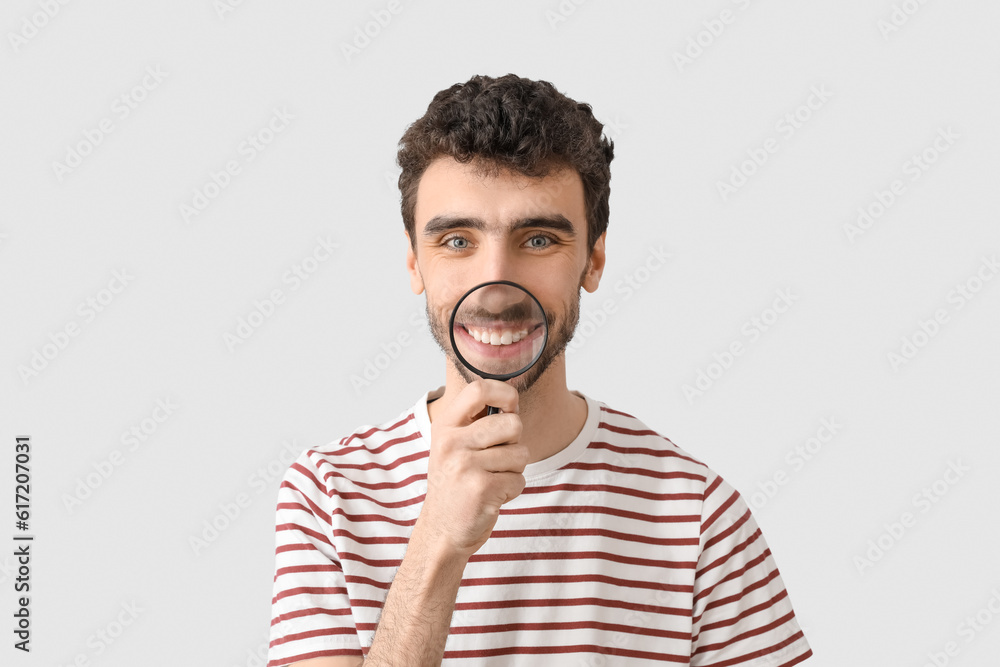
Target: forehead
{"points": [[449, 187]]}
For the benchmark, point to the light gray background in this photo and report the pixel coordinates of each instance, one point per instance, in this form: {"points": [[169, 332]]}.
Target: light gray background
{"points": [[330, 174]]}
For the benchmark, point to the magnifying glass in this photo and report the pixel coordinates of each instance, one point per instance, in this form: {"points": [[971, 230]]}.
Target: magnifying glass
{"points": [[498, 331]]}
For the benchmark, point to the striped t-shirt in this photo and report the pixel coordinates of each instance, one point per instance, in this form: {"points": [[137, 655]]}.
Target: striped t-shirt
{"points": [[621, 550]]}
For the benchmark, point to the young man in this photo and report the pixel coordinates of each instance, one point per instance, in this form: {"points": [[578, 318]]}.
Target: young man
{"points": [[556, 532]]}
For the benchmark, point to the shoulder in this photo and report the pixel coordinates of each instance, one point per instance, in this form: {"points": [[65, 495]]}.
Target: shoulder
{"points": [[365, 451], [621, 436]]}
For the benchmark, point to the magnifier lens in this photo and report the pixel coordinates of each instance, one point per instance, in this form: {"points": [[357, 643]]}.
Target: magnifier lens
{"points": [[498, 330]]}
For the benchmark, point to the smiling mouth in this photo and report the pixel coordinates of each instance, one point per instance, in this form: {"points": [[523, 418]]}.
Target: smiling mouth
{"points": [[499, 335]]}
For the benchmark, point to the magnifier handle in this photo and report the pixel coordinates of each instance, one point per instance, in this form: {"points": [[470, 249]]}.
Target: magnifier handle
{"points": [[490, 410]]}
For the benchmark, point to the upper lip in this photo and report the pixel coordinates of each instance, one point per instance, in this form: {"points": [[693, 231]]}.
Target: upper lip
{"points": [[498, 325]]}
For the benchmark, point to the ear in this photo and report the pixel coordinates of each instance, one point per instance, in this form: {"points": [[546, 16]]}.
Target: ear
{"points": [[416, 280], [595, 265]]}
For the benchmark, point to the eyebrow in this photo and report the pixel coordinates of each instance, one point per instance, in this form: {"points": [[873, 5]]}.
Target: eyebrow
{"points": [[444, 223]]}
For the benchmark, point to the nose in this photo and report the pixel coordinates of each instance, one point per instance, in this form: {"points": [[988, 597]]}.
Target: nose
{"points": [[496, 262]]}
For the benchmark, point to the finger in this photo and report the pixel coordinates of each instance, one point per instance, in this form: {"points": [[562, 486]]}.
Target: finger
{"points": [[493, 430], [474, 399], [503, 458]]}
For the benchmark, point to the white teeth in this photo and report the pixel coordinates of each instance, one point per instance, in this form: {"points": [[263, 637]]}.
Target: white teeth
{"points": [[505, 337]]}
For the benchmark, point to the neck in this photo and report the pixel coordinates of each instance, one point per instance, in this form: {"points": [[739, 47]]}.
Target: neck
{"points": [[551, 415]]}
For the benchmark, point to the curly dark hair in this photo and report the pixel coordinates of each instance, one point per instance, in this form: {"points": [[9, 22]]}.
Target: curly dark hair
{"points": [[510, 123]]}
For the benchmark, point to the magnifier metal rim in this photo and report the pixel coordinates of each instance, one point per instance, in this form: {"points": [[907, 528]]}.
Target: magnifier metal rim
{"points": [[497, 376]]}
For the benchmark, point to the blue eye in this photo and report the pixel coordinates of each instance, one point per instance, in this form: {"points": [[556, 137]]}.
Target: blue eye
{"points": [[539, 241], [461, 243]]}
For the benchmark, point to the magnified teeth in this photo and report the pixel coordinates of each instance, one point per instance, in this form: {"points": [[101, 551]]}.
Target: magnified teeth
{"points": [[505, 337]]}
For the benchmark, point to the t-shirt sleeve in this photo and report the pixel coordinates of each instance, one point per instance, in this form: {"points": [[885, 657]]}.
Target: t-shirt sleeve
{"points": [[743, 616], [310, 609]]}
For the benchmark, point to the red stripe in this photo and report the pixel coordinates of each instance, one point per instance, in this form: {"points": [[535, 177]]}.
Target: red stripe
{"points": [[305, 531], [308, 474], [613, 511], [384, 562], [309, 612], [569, 625], [577, 555], [728, 531], [627, 431], [317, 567], [310, 506], [735, 574], [362, 518], [746, 590], [343, 451], [340, 532], [749, 611], [309, 590], [354, 579], [718, 646], [608, 488], [571, 602], [576, 578], [378, 485], [577, 648], [661, 453], [357, 495], [716, 483], [767, 651], [301, 546], [719, 512], [382, 466], [580, 532], [281, 662], [722, 559], [576, 465], [617, 412], [347, 441]]}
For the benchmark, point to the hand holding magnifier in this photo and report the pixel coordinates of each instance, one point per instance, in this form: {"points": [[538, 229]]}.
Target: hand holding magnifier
{"points": [[498, 331]]}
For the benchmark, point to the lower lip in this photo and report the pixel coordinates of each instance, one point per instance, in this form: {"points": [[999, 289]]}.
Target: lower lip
{"points": [[515, 350]]}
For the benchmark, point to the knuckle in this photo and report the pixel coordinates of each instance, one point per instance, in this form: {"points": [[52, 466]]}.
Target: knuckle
{"points": [[478, 390]]}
